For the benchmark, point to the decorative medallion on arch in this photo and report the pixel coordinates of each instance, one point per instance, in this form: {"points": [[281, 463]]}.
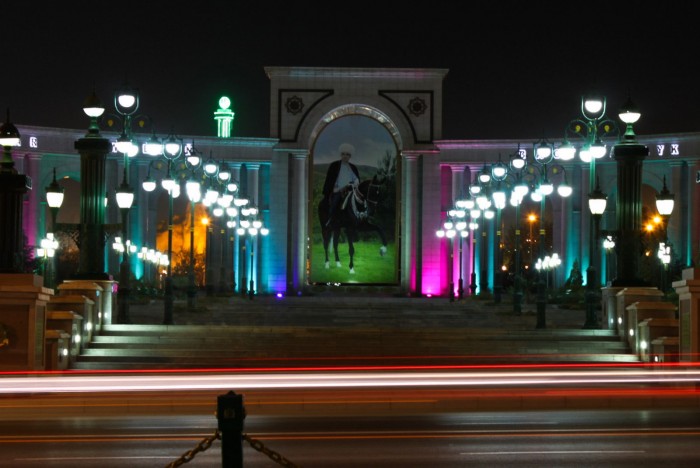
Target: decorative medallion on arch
{"points": [[295, 105], [417, 107]]}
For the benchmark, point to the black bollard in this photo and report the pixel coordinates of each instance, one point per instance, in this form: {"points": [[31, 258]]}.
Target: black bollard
{"points": [[230, 413]]}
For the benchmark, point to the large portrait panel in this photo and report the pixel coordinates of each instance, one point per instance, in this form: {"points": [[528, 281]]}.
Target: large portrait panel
{"points": [[362, 224]]}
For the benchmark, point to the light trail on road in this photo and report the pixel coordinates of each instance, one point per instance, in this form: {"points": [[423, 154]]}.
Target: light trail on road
{"points": [[71, 383]]}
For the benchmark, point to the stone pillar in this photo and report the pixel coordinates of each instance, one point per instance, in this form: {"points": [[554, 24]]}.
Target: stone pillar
{"points": [[411, 254], [688, 290], [298, 220], [23, 302]]}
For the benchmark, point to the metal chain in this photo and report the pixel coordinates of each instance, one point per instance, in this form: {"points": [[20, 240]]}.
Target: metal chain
{"points": [[190, 454], [274, 456]]}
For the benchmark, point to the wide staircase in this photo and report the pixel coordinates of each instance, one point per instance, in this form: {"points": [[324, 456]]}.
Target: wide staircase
{"points": [[332, 332]]}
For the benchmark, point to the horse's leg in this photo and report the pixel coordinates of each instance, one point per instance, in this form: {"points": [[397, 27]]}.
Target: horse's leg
{"points": [[380, 232], [351, 250], [336, 235], [326, 236]]}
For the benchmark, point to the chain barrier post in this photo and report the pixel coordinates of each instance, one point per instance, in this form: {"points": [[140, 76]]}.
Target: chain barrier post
{"points": [[230, 414]]}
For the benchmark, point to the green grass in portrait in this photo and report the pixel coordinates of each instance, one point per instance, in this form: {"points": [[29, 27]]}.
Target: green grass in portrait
{"points": [[370, 267]]}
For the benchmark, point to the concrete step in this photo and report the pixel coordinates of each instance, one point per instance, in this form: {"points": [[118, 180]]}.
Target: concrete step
{"points": [[228, 330], [342, 331], [182, 362], [161, 346]]}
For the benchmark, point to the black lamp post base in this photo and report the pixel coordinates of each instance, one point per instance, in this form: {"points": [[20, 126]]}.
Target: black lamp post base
{"points": [[472, 285], [168, 302]]}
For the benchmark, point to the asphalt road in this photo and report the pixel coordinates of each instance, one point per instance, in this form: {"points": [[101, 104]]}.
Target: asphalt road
{"points": [[613, 438]]}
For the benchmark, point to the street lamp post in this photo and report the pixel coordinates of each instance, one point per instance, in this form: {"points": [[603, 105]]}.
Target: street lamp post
{"points": [[211, 171], [474, 215], [224, 202], [194, 194], [47, 252], [499, 171], [597, 202], [520, 189], [591, 127], [251, 227], [453, 227], [664, 205], [543, 153], [546, 264], [483, 201], [93, 149], [664, 254], [13, 186], [126, 104], [125, 198], [448, 231], [608, 245], [54, 198], [462, 209], [629, 155], [171, 151]]}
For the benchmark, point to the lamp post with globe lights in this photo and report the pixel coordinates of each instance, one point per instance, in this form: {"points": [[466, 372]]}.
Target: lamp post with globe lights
{"points": [[47, 252], [665, 201], [125, 198], [520, 188], [452, 228], [194, 194], [172, 150], [592, 126], [93, 149], [54, 198], [543, 155], [251, 227], [629, 155], [484, 203], [499, 172]]}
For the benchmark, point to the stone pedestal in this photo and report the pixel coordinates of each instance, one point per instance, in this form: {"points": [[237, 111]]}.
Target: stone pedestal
{"points": [[688, 290], [71, 323], [651, 329], [640, 311], [664, 349], [82, 305], [23, 301], [627, 296], [57, 350], [99, 291], [609, 305]]}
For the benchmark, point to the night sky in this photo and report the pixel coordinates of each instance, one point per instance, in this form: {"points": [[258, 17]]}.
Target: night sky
{"points": [[514, 72]]}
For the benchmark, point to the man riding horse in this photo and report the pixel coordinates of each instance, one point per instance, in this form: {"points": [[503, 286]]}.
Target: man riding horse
{"points": [[341, 177]]}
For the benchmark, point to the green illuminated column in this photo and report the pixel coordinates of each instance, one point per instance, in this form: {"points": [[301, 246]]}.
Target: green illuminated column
{"points": [[630, 158], [13, 186], [93, 156]]}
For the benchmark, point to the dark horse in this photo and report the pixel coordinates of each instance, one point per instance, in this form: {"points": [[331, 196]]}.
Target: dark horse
{"points": [[354, 214]]}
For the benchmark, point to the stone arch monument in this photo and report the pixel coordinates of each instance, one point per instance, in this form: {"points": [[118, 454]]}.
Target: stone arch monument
{"points": [[304, 104]]}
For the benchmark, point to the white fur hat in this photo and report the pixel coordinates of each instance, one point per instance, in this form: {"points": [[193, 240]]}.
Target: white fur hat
{"points": [[347, 148]]}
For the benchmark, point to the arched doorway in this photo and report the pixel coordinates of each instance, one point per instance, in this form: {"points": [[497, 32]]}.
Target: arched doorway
{"points": [[375, 155]]}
